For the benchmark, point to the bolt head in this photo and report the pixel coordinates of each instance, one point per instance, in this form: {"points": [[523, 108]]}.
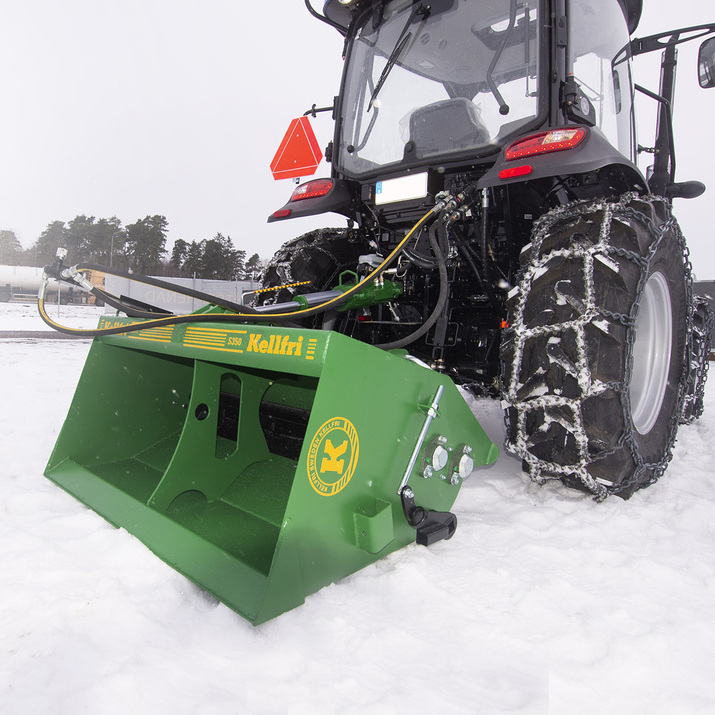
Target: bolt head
{"points": [[465, 466], [440, 457]]}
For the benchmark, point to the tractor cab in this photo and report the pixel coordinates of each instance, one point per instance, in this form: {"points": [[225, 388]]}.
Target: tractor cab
{"points": [[450, 83], [438, 94], [426, 84]]}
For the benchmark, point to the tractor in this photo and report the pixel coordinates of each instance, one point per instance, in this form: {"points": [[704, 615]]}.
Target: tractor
{"points": [[555, 276], [497, 236]]}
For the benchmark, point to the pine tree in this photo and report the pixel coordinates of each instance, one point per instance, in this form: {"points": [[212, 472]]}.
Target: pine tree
{"points": [[194, 261], [44, 250], [11, 252], [145, 243], [179, 254], [254, 267], [221, 260]]}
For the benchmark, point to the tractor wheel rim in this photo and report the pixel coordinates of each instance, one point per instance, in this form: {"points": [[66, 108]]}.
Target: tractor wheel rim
{"points": [[651, 353]]}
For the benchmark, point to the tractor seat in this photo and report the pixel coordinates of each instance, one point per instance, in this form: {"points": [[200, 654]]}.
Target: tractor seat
{"points": [[448, 125]]}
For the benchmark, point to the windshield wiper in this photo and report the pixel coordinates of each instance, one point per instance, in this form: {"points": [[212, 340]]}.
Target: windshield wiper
{"points": [[400, 45], [503, 106], [388, 68]]}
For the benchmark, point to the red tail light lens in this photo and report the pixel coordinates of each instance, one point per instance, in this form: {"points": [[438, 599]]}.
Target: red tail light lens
{"points": [[312, 189], [545, 142], [514, 171]]}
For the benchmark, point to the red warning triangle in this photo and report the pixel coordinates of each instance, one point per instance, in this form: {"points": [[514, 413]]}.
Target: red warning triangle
{"points": [[299, 153]]}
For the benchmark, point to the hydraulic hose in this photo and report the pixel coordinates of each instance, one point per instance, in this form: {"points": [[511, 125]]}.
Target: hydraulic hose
{"points": [[467, 255], [426, 264], [145, 324], [131, 311], [165, 285], [237, 312], [439, 306], [488, 284]]}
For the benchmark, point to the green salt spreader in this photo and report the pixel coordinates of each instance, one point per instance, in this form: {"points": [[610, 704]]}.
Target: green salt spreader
{"points": [[265, 463]]}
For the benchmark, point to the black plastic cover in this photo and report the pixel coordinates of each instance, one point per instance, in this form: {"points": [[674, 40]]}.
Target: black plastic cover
{"points": [[593, 153], [337, 200], [632, 9]]}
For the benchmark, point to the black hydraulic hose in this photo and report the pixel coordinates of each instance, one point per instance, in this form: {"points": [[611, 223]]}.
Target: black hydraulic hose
{"points": [[242, 314], [467, 255], [70, 276], [485, 260], [131, 311], [443, 238], [438, 308], [165, 285], [424, 263], [486, 286], [132, 327]]}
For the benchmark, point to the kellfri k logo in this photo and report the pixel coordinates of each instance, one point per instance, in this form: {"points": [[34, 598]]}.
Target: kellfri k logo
{"points": [[333, 456]]}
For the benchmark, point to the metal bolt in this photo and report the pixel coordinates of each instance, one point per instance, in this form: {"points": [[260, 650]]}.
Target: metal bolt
{"points": [[440, 457], [428, 472], [465, 466]]}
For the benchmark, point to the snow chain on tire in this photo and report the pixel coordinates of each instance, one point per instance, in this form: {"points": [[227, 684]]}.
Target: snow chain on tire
{"points": [[568, 354], [700, 345], [311, 262]]}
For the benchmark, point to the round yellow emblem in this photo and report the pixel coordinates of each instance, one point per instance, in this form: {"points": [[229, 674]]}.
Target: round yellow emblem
{"points": [[333, 456]]}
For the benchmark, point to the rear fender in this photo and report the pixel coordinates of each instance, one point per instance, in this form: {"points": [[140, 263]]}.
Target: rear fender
{"points": [[594, 153], [337, 200]]}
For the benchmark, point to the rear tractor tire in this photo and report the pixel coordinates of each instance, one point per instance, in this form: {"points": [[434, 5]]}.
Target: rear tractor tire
{"points": [[595, 358], [314, 260]]}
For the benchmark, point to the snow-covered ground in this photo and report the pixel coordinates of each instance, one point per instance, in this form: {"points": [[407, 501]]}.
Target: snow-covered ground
{"points": [[24, 316], [543, 602]]}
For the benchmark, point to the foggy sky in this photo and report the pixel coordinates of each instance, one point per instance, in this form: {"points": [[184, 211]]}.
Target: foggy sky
{"points": [[176, 107]]}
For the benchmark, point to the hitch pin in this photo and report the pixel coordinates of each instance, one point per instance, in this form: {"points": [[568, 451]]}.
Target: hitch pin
{"points": [[431, 414]]}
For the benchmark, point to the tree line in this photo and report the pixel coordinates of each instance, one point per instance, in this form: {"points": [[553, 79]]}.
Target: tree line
{"points": [[139, 247]]}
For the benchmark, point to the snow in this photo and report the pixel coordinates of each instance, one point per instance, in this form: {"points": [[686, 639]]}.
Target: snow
{"points": [[543, 602], [24, 316]]}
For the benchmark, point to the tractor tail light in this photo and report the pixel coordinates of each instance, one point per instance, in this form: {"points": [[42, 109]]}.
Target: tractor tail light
{"points": [[312, 190], [545, 142], [513, 172]]}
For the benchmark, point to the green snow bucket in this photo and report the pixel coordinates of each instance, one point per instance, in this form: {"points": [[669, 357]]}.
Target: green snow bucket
{"points": [[263, 463]]}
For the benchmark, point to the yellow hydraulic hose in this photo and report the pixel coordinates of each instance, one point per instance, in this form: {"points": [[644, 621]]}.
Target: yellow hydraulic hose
{"points": [[146, 324]]}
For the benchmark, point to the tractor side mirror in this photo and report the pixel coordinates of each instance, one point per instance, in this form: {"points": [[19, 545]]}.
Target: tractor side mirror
{"points": [[706, 64]]}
